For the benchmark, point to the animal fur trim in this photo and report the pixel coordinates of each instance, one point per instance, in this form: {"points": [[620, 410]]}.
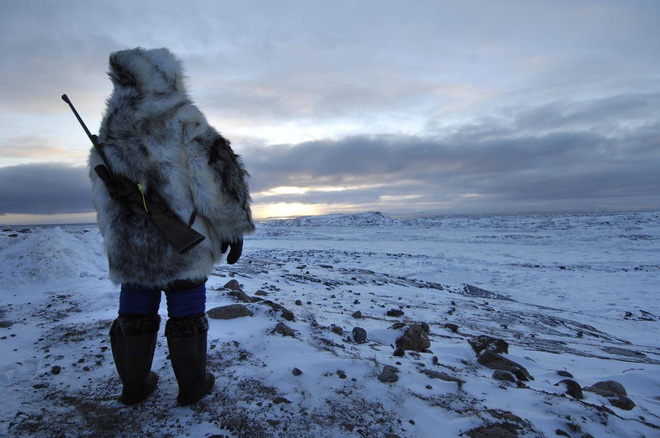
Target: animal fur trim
{"points": [[154, 135]]}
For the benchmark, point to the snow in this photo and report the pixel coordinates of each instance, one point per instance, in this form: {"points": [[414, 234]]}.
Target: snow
{"points": [[567, 292]]}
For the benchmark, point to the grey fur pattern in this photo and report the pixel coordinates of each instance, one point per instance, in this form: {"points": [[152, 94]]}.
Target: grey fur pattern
{"points": [[154, 135]]}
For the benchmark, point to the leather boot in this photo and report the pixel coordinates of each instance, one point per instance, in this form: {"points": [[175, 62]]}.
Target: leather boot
{"points": [[186, 339], [133, 341]]}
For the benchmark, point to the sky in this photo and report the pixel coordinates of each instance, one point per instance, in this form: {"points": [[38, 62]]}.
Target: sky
{"points": [[408, 108]]}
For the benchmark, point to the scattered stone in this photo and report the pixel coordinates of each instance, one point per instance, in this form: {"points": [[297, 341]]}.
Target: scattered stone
{"points": [[572, 388], [261, 293], [288, 315], [298, 303], [231, 311], [395, 312], [279, 400], [284, 330], [359, 335], [296, 372], [341, 374], [56, 370], [494, 361], [389, 374], [563, 373], [357, 315], [399, 352], [560, 432], [6, 324], [452, 327], [615, 393], [504, 376], [336, 329], [622, 402], [607, 388], [493, 431], [415, 338], [482, 342], [233, 285], [443, 376], [241, 296]]}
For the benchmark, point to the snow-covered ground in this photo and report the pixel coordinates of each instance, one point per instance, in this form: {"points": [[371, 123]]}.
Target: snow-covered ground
{"points": [[574, 296]]}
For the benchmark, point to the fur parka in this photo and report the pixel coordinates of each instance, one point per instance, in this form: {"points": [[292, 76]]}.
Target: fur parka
{"points": [[152, 134]]}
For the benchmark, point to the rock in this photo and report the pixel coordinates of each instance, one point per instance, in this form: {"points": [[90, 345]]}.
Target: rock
{"points": [[493, 431], [452, 327], [229, 312], [389, 374], [284, 330], [622, 402], [395, 312], [416, 337], [399, 352], [504, 376], [359, 335], [607, 388], [565, 374], [288, 315], [443, 376], [261, 293], [240, 296], [298, 303], [494, 361], [336, 329], [482, 342], [296, 372], [56, 370], [357, 315], [6, 324], [232, 285], [615, 393], [278, 400], [572, 388]]}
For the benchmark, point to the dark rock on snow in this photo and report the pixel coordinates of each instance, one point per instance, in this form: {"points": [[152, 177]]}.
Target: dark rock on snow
{"points": [[284, 330], [415, 338], [229, 312], [482, 342], [614, 392], [389, 374], [494, 361], [572, 388], [504, 376], [359, 335], [232, 285]]}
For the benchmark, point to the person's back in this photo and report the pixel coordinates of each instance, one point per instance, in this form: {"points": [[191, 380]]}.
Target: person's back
{"points": [[155, 137]]}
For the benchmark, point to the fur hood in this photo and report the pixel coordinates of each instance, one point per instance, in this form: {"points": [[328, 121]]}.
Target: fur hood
{"points": [[152, 134]]}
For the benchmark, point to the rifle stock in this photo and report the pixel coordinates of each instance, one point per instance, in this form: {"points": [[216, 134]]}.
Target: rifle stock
{"points": [[173, 229]]}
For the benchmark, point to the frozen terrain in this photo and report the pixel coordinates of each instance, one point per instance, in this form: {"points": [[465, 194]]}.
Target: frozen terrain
{"points": [[575, 298]]}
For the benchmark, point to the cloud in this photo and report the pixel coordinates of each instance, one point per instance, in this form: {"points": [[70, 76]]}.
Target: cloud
{"points": [[44, 189], [514, 163]]}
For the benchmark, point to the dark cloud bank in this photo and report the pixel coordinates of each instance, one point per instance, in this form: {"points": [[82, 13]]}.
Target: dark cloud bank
{"points": [[50, 188]]}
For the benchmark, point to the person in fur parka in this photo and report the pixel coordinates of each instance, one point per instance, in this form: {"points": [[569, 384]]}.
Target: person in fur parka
{"points": [[153, 135]]}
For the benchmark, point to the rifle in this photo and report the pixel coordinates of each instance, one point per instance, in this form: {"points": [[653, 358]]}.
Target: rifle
{"points": [[173, 229]]}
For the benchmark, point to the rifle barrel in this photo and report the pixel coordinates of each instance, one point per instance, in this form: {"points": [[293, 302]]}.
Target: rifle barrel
{"points": [[80, 120]]}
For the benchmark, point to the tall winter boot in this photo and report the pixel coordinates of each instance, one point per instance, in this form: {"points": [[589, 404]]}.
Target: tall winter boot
{"points": [[186, 339], [133, 341]]}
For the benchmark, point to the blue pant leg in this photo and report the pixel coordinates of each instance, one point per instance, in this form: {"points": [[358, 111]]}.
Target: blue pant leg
{"points": [[187, 302], [138, 300]]}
